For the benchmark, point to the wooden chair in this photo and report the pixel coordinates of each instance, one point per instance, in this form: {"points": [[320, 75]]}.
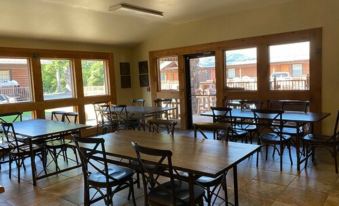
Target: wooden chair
{"points": [[106, 120], [61, 142], [172, 192], [5, 146], [138, 102], [104, 179], [220, 116], [312, 141], [20, 149], [125, 119], [162, 119], [270, 132]]}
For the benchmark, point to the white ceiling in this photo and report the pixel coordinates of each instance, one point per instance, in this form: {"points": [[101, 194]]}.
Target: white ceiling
{"points": [[91, 21]]}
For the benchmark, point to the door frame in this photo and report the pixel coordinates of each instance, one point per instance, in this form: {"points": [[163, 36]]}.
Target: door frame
{"points": [[188, 93]]}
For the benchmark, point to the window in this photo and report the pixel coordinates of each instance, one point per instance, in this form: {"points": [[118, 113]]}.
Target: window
{"points": [[48, 112], [57, 78], [90, 115], [241, 69], [231, 73], [94, 77], [4, 76], [168, 73], [15, 81], [25, 116], [125, 75], [297, 70], [289, 66]]}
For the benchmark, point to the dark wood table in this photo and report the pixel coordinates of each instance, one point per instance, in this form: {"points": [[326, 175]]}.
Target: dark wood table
{"points": [[41, 129], [299, 118], [194, 156]]}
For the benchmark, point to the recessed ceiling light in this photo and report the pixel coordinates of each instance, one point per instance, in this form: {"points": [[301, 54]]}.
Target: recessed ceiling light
{"points": [[133, 8]]}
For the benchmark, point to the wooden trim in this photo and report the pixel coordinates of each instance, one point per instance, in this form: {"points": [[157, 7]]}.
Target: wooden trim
{"points": [[262, 44]]}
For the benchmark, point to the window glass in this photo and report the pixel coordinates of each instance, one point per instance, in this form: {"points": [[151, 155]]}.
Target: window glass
{"points": [[15, 81], [94, 77], [57, 78], [290, 66], [241, 69], [90, 115], [168, 73], [48, 112]]}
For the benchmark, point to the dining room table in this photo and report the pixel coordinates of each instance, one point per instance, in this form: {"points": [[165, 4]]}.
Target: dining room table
{"points": [[196, 157], [298, 118], [39, 130]]}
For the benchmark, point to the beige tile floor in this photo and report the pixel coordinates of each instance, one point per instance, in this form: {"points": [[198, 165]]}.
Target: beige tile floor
{"points": [[318, 184]]}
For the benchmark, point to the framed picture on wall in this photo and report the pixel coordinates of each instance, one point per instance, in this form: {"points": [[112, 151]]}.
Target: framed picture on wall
{"points": [[143, 74], [125, 75]]}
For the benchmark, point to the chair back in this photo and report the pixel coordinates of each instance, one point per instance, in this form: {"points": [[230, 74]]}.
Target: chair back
{"points": [[70, 117], [93, 156], [268, 120], [102, 112], [295, 106], [8, 130], [138, 102], [221, 114], [57, 116], [151, 170], [11, 117]]}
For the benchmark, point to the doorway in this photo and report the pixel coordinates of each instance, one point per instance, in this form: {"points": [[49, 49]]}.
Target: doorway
{"points": [[200, 86]]}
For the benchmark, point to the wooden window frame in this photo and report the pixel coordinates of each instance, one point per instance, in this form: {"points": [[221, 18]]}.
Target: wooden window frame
{"points": [[262, 43], [38, 105]]}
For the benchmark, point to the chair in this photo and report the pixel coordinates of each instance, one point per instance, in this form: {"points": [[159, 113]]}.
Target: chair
{"points": [[5, 146], [172, 192], [99, 175], [125, 119], [106, 120], [270, 126], [162, 119], [220, 116], [312, 141], [61, 142], [20, 149], [294, 106], [138, 102]]}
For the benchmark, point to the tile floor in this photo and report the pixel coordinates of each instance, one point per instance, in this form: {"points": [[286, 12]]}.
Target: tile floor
{"points": [[318, 184]]}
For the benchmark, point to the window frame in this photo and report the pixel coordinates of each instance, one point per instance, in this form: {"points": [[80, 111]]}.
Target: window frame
{"points": [[172, 75]]}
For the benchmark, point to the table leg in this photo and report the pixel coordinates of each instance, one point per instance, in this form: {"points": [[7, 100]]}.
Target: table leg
{"points": [[235, 181], [191, 188], [32, 162]]}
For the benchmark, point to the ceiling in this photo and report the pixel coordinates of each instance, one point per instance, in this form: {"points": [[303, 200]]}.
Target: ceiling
{"points": [[91, 21]]}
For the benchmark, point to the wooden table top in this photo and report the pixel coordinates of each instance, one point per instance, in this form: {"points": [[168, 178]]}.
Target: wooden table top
{"points": [[202, 157], [308, 117], [147, 110], [41, 127]]}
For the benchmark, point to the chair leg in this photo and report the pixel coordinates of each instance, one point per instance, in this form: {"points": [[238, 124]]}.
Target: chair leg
{"points": [[266, 152], [335, 158], [289, 152], [281, 155], [132, 190], [10, 166]]}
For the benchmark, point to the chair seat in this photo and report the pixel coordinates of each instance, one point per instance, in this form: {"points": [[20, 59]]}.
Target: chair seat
{"points": [[25, 149], [290, 130], [118, 175], [311, 138], [247, 127], [237, 132], [162, 194], [204, 180], [273, 137], [58, 143]]}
